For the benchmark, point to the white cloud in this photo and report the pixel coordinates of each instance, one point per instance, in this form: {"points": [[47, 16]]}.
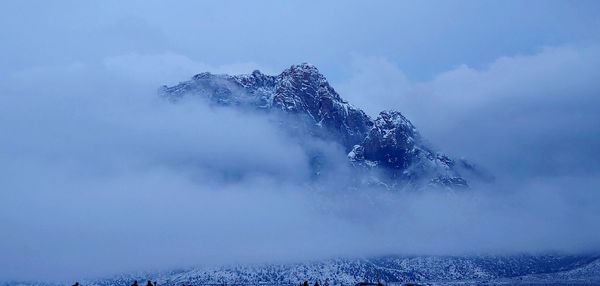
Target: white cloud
{"points": [[538, 110], [99, 176], [169, 68], [375, 84]]}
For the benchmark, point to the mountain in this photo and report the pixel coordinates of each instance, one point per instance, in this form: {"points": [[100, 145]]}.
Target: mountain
{"points": [[391, 270], [394, 270], [389, 143]]}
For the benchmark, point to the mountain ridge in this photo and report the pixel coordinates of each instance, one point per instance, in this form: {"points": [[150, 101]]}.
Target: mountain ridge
{"points": [[391, 270], [389, 142]]}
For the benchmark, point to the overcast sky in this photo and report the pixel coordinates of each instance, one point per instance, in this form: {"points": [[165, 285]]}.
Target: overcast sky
{"points": [[423, 38], [98, 176]]}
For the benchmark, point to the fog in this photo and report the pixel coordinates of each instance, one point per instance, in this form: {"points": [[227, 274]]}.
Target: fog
{"points": [[522, 115], [100, 176]]}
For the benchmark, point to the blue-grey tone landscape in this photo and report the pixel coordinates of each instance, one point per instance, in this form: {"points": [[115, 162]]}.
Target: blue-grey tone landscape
{"points": [[277, 142]]}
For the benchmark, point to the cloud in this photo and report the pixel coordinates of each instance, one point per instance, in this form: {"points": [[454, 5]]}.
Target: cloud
{"points": [[119, 174], [536, 110], [375, 84], [100, 176], [425, 37], [169, 67], [521, 115]]}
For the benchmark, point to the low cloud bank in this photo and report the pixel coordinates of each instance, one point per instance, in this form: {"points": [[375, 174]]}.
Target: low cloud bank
{"points": [[99, 176], [521, 116]]}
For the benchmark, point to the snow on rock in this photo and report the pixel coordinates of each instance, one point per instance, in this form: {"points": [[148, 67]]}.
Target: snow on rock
{"points": [[389, 142], [391, 270]]}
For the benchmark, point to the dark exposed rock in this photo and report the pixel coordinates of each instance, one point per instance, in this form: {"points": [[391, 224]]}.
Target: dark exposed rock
{"points": [[389, 142]]}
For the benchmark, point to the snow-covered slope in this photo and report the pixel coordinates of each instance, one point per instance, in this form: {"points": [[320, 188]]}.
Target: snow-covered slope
{"points": [[587, 274], [389, 142], [388, 269], [481, 270]]}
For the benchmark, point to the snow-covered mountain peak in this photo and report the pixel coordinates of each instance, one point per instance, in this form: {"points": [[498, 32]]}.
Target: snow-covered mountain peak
{"points": [[390, 141], [392, 121], [303, 68]]}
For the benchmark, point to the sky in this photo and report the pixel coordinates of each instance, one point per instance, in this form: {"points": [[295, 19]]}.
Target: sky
{"points": [[423, 38], [98, 176]]}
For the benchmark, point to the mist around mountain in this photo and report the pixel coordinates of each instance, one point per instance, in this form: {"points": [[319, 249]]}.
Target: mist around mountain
{"points": [[126, 181], [386, 151], [435, 143]]}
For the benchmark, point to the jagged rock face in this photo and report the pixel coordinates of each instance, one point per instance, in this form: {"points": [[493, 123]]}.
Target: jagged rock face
{"points": [[390, 141], [302, 89]]}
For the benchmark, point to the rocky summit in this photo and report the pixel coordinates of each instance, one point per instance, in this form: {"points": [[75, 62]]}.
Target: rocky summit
{"points": [[389, 143]]}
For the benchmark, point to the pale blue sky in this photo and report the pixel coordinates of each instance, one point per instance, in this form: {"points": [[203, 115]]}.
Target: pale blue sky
{"points": [[422, 38]]}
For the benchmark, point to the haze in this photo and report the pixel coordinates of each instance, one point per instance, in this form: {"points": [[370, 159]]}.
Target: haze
{"points": [[99, 176]]}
